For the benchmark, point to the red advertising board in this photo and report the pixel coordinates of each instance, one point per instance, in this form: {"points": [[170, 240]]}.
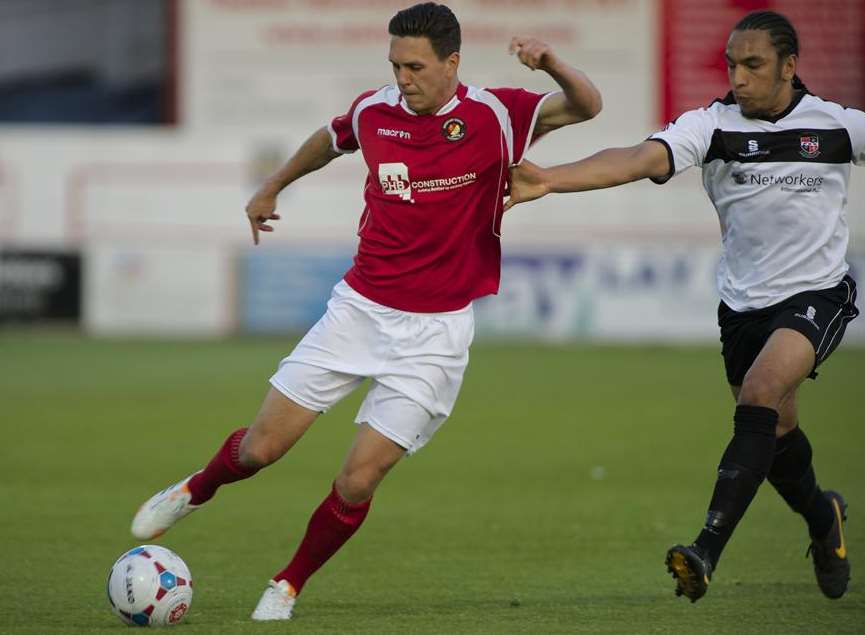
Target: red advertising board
{"points": [[694, 34]]}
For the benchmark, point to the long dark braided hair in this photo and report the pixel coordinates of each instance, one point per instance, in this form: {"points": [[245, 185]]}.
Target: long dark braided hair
{"points": [[781, 33]]}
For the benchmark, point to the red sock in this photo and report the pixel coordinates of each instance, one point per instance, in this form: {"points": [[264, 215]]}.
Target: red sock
{"points": [[223, 468], [330, 526]]}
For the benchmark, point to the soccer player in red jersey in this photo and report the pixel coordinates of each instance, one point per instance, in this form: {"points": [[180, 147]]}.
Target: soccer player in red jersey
{"points": [[438, 154]]}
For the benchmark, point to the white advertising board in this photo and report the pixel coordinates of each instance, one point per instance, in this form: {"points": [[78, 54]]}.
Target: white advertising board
{"points": [[140, 289]]}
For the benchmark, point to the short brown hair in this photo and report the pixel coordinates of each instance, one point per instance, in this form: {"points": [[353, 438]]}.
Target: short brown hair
{"points": [[436, 22]]}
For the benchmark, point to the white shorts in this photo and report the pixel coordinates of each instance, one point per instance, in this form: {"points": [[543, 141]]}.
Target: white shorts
{"points": [[416, 362]]}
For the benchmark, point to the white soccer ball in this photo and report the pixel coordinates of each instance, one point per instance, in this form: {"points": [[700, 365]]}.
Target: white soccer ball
{"points": [[150, 586]]}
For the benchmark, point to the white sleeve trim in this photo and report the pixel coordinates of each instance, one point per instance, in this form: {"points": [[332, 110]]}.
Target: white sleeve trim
{"points": [[534, 121], [501, 113], [384, 95], [335, 147]]}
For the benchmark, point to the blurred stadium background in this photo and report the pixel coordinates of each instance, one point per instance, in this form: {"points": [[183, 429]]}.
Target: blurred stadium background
{"points": [[132, 133]]}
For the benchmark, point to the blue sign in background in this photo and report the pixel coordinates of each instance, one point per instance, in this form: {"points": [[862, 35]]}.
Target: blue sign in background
{"points": [[286, 290], [612, 293]]}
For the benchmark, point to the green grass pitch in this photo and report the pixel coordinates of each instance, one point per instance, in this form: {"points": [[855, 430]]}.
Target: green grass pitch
{"points": [[545, 504]]}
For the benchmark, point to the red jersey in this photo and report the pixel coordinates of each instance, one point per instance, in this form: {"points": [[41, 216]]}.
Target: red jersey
{"points": [[429, 234]]}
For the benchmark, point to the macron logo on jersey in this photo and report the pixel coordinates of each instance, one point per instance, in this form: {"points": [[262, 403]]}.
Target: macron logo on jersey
{"points": [[388, 132], [394, 180]]}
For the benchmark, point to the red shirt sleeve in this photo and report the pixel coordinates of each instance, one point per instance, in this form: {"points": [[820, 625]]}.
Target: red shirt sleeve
{"points": [[523, 107], [341, 128]]}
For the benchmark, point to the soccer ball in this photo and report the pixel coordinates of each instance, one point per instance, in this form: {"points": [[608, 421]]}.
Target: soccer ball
{"points": [[150, 586]]}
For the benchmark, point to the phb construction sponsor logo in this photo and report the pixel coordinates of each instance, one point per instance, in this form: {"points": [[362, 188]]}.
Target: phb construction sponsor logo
{"points": [[797, 183], [394, 179], [443, 184]]}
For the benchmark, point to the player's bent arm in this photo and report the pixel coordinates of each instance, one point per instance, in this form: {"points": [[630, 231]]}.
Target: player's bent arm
{"points": [[607, 168], [579, 100], [315, 153]]}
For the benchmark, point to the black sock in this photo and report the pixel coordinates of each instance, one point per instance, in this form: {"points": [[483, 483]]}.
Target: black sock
{"points": [[793, 476], [743, 467]]}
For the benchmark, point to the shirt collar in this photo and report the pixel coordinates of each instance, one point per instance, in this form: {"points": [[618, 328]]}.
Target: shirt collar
{"points": [[452, 103], [797, 97]]}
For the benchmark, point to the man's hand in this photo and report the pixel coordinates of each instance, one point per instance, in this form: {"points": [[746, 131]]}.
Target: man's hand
{"points": [[527, 183], [315, 153], [579, 99], [260, 209], [532, 52]]}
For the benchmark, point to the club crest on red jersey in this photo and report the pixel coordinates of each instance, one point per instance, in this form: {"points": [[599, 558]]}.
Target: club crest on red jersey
{"points": [[454, 129], [809, 146]]}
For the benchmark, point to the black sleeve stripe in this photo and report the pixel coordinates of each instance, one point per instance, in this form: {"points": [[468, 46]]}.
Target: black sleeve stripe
{"points": [[716, 148], [801, 145], [672, 170]]}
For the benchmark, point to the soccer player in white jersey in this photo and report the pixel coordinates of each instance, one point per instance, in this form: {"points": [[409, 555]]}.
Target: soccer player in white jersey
{"points": [[776, 165], [438, 154]]}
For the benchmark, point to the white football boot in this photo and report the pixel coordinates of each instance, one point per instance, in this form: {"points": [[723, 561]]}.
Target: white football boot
{"points": [[276, 603], [162, 510]]}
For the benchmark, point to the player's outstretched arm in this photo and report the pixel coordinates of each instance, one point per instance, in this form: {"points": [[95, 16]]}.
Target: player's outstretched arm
{"points": [[315, 153], [607, 168], [579, 101]]}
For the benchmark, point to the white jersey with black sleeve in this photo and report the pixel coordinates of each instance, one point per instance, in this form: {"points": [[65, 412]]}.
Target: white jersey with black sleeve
{"points": [[780, 189]]}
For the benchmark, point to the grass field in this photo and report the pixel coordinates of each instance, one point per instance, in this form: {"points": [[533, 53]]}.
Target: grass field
{"points": [[545, 505]]}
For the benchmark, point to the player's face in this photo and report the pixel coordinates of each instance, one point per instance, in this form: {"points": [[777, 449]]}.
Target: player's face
{"points": [[425, 81], [760, 81]]}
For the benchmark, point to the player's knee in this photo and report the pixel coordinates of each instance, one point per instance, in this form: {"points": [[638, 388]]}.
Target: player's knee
{"points": [[761, 390], [785, 424], [358, 485], [257, 452]]}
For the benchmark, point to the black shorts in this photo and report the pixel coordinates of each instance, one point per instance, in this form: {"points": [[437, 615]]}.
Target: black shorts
{"points": [[821, 316]]}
